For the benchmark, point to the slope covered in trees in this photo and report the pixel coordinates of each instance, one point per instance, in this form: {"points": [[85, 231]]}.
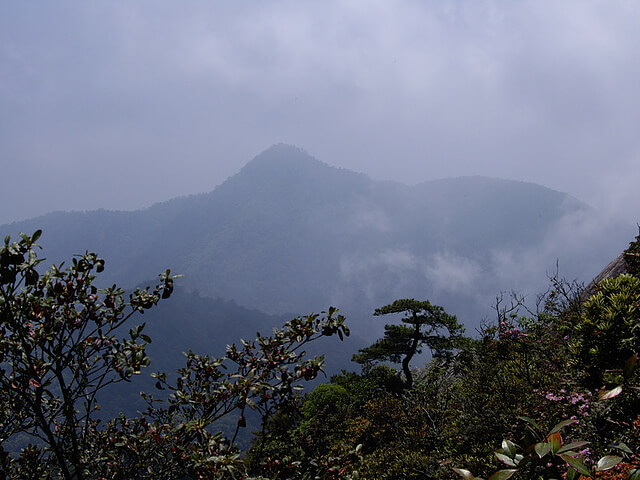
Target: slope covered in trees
{"points": [[540, 395], [545, 394], [289, 233]]}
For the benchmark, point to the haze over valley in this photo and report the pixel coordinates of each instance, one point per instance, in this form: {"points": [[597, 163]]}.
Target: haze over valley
{"points": [[289, 156], [289, 234], [331, 240]]}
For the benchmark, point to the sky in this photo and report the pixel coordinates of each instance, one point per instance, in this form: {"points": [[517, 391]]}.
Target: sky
{"points": [[122, 104]]}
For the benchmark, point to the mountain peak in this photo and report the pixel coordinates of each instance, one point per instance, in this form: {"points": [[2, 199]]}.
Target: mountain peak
{"points": [[282, 155], [284, 165], [280, 149]]}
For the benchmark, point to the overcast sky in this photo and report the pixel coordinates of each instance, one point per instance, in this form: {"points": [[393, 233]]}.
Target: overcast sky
{"points": [[120, 104]]}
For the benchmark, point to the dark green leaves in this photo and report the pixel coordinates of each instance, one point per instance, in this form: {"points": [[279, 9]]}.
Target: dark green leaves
{"points": [[576, 464], [60, 345], [423, 324]]}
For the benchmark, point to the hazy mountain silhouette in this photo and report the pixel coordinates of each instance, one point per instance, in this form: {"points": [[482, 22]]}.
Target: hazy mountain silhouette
{"points": [[290, 234]]}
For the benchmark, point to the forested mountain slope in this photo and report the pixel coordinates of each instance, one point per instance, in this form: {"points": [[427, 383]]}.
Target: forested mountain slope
{"points": [[289, 233]]}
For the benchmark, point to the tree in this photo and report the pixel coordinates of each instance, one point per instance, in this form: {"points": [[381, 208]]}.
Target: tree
{"points": [[426, 324], [60, 347], [632, 256]]}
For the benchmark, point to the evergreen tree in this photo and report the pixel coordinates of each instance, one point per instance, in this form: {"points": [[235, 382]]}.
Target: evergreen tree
{"points": [[423, 324]]}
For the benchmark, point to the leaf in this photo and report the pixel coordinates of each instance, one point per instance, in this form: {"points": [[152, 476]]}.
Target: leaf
{"points": [[509, 448], [466, 474], [576, 464], [531, 422], [607, 462], [555, 441], [562, 424], [622, 447], [503, 474], [542, 448], [505, 459], [572, 445], [606, 395], [36, 235], [573, 474]]}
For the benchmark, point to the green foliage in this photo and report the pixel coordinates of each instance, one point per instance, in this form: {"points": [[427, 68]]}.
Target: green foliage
{"points": [[632, 257], [607, 334], [547, 455], [458, 408], [426, 324], [325, 400], [362, 388], [331, 422], [60, 348], [394, 463]]}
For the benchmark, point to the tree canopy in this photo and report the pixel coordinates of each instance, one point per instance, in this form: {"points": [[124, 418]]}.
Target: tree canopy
{"points": [[63, 341], [559, 388], [423, 324]]}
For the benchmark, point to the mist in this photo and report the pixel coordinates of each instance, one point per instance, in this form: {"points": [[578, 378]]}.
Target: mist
{"points": [[119, 105], [466, 282]]}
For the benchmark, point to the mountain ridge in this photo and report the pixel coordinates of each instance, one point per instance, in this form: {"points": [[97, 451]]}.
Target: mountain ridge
{"points": [[289, 233], [273, 157]]}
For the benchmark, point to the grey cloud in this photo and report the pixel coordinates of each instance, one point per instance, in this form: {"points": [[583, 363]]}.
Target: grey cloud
{"points": [[122, 104], [394, 272], [577, 247], [452, 273]]}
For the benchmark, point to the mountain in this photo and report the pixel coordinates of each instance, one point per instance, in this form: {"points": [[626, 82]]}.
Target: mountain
{"points": [[290, 234]]}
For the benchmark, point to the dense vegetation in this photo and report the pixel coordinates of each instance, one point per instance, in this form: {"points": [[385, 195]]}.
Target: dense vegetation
{"points": [[547, 393], [550, 393], [61, 349]]}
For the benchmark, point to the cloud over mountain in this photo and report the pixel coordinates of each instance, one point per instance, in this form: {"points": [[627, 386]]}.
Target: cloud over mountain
{"points": [[291, 234]]}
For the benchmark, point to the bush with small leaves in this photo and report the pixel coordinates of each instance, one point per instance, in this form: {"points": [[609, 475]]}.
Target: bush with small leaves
{"points": [[59, 348]]}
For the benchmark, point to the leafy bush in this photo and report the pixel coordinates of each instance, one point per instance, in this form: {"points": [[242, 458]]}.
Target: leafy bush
{"points": [[608, 332], [60, 347]]}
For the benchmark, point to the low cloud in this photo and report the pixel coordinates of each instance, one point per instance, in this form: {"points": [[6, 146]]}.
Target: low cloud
{"points": [[121, 104], [451, 273], [576, 247]]}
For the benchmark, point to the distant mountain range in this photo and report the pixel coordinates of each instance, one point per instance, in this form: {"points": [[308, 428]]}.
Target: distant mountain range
{"points": [[289, 234]]}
